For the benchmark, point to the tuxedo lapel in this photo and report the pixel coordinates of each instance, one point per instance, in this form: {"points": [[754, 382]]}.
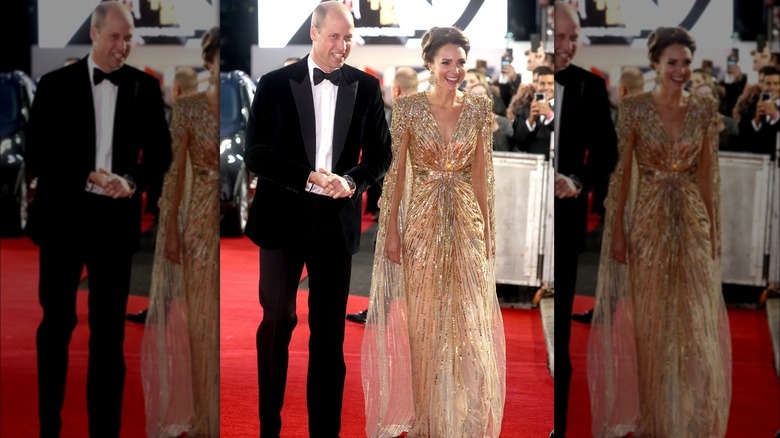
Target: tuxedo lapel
{"points": [[572, 95], [345, 105], [126, 95], [300, 86]]}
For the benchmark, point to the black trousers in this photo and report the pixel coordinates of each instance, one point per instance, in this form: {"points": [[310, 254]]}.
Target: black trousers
{"points": [[565, 281], [321, 248], [61, 264]]}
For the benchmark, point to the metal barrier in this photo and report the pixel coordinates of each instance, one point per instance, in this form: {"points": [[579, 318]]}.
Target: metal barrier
{"points": [[521, 211], [750, 211], [749, 208]]}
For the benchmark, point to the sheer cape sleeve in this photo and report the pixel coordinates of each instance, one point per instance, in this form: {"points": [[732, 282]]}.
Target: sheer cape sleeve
{"points": [[385, 364], [612, 368], [165, 348]]}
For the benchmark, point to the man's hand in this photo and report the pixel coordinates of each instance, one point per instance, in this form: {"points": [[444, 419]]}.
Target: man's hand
{"points": [[735, 71], [544, 108], [114, 185], [760, 112], [534, 112], [510, 72], [770, 108], [565, 187], [335, 186]]}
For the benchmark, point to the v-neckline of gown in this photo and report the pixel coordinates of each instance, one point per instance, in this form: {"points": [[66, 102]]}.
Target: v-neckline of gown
{"points": [[657, 113], [456, 128]]}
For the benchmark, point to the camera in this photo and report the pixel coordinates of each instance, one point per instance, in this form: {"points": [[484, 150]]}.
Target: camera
{"points": [[765, 96], [539, 97]]}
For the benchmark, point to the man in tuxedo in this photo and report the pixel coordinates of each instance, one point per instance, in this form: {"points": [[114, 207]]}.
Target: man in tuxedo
{"points": [[317, 139], [585, 154], [97, 137], [758, 128], [534, 126]]}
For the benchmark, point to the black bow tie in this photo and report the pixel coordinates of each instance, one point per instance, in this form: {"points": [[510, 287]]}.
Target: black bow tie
{"points": [[560, 76], [333, 76], [98, 75]]}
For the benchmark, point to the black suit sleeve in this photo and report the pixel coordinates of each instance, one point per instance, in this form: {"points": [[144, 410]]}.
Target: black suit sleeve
{"points": [[600, 134], [376, 151], [37, 136], [270, 152], [523, 137], [156, 144]]}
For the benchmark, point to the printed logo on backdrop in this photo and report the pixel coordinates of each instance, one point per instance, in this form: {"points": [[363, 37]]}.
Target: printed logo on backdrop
{"points": [[622, 21], [177, 22], [387, 21]]}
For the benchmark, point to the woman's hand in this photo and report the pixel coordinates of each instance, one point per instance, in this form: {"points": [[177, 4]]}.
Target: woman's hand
{"points": [[173, 246], [618, 246], [393, 245]]}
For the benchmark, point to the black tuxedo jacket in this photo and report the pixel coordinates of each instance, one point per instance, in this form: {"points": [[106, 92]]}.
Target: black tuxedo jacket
{"points": [[281, 150], [536, 141], [585, 130], [758, 142], [61, 152]]}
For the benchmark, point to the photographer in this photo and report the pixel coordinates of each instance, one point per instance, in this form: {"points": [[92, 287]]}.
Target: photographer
{"points": [[534, 125], [758, 127]]}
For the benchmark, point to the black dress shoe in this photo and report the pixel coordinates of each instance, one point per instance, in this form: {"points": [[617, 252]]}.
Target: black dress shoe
{"points": [[556, 435], [585, 317], [359, 317], [139, 317]]}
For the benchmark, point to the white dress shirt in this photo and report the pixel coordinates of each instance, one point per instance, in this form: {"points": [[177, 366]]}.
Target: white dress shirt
{"points": [[104, 100], [324, 94]]}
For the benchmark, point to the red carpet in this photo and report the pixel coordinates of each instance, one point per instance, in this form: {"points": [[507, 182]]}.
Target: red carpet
{"points": [[20, 315], [529, 405], [755, 402]]}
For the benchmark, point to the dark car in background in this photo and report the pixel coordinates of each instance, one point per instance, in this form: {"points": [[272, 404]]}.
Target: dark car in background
{"points": [[237, 90], [16, 96]]}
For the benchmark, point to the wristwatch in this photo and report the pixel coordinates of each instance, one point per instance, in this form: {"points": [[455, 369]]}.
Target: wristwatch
{"points": [[350, 182], [130, 181]]}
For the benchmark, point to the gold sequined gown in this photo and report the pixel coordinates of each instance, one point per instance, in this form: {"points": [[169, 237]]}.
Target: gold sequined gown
{"points": [[180, 348], [433, 351], [659, 351]]}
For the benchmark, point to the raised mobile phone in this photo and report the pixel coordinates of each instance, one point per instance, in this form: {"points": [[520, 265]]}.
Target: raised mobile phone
{"points": [[539, 96]]}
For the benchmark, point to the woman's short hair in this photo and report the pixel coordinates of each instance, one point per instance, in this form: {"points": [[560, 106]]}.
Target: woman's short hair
{"points": [[437, 37], [209, 45], [664, 37]]}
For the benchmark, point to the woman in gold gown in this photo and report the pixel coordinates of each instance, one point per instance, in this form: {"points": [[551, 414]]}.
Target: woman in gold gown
{"points": [[433, 354], [180, 348], [659, 352]]}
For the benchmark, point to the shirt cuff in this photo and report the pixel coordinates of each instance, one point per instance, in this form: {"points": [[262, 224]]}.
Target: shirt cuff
{"points": [[530, 126]]}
